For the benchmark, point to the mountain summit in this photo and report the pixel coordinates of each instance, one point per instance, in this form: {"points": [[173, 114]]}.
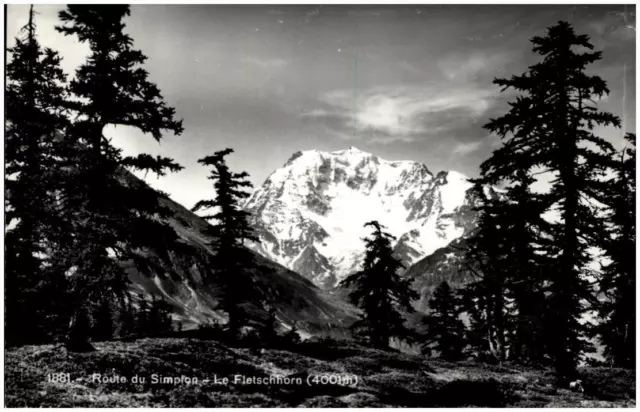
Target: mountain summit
{"points": [[309, 214]]}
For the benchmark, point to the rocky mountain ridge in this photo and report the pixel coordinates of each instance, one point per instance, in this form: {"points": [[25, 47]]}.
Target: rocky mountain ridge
{"points": [[309, 214]]}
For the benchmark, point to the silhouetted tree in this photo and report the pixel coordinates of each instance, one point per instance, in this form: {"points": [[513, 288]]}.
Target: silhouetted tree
{"points": [[529, 236], [228, 234], [380, 293], [473, 302], [211, 330], [103, 327], [143, 315], [115, 217], [618, 310], [506, 301], [159, 322], [445, 330], [487, 259], [550, 127], [34, 159], [126, 316], [80, 329], [291, 337]]}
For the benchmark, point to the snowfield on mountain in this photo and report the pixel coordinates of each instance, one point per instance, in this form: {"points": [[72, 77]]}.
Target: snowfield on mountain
{"points": [[309, 214]]}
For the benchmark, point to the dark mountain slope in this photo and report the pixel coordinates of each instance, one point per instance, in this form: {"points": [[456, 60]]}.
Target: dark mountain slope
{"points": [[184, 266], [444, 264]]}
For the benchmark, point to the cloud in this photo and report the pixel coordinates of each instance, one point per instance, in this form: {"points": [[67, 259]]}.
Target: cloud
{"points": [[470, 66], [463, 149], [613, 27], [490, 142], [410, 68], [275, 63], [317, 113], [494, 141], [403, 113]]}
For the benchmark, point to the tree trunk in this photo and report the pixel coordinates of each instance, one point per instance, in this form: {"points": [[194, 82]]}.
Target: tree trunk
{"points": [[78, 336], [499, 323]]}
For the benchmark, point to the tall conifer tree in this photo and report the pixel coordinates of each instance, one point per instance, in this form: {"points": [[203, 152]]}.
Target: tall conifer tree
{"points": [[618, 311], [487, 258], [529, 236], [35, 157], [116, 217], [229, 232], [380, 292], [503, 256], [550, 126], [445, 330], [103, 327]]}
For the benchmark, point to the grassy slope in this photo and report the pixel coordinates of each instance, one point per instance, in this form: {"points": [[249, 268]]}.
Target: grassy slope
{"points": [[385, 378]]}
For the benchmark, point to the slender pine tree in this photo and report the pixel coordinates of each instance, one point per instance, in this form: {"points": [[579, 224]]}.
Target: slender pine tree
{"points": [[618, 285], [115, 217], [159, 321], [380, 293], [104, 325], [445, 330], [229, 232], [143, 316], [35, 160], [502, 254], [473, 302], [550, 126], [486, 258], [126, 316], [291, 337], [529, 235]]}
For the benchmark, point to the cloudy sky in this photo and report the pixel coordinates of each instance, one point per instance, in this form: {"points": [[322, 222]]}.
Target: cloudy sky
{"points": [[402, 82]]}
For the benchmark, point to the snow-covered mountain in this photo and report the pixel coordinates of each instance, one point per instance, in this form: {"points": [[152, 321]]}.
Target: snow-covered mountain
{"points": [[309, 214]]}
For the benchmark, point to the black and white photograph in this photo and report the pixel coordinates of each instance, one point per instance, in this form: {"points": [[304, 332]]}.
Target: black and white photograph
{"points": [[228, 205]]}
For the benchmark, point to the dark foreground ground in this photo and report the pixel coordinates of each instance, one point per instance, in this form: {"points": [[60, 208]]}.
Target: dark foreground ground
{"points": [[383, 379]]}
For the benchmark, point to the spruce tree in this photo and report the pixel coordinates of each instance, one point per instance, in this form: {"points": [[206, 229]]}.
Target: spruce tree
{"points": [[618, 285], [380, 293], [474, 303], [502, 254], [143, 316], [445, 330], [103, 328], [229, 232], [529, 235], [34, 162], [116, 217], [126, 316], [159, 322], [550, 126], [487, 258], [291, 337]]}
